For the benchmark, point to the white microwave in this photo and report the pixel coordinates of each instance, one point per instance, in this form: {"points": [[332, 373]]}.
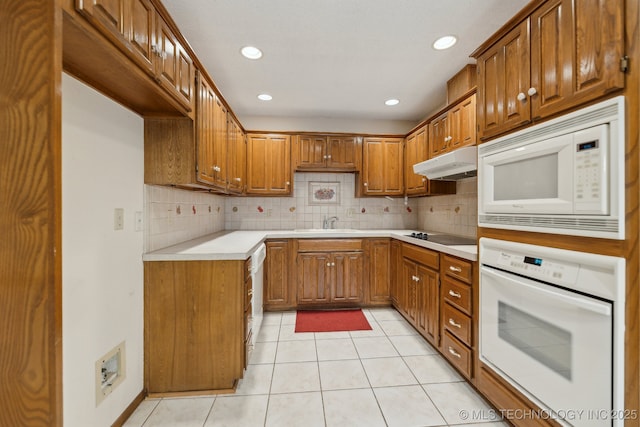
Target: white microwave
{"points": [[563, 176]]}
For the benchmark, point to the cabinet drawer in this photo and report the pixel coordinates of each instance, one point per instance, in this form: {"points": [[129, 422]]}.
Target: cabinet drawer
{"points": [[329, 245], [457, 268], [457, 294], [458, 323], [423, 256], [458, 354]]}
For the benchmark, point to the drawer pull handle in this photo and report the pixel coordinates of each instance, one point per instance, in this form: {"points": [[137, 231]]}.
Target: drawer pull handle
{"points": [[456, 269], [455, 294], [453, 323], [454, 353]]}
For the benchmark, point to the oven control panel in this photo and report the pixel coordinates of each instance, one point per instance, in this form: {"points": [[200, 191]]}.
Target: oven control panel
{"points": [[546, 269]]}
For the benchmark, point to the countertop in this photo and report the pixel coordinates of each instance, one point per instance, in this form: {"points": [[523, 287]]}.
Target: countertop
{"points": [[239, 245]]}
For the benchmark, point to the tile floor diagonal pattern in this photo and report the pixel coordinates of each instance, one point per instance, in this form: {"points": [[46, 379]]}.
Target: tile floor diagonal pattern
{"points": [[389, 376]]}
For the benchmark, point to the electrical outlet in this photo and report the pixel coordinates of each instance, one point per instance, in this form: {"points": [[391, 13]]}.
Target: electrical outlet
{"points": [[350, 212], [118, 219], [268, 212], [138, 221]]}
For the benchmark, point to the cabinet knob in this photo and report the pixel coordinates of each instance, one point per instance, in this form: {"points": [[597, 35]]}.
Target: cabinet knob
{"points": [[365, 184], [454, 324], [288, 183], [521, 96], [455, 269], [333, 264], [454, 294], [328, 264], [329, 156], [454, 353], [424, 179], [324, 157], [237, 179], [532, 91]]}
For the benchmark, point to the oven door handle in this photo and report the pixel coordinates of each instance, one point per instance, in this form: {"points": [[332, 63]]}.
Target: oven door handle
{"points": [[600, 308]]}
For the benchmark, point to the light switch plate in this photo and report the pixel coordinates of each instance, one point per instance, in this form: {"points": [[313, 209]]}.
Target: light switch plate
{"points": [[118, 219]]}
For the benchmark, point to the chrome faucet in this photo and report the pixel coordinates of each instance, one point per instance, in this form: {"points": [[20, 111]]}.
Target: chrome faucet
{"points": [[329, 222]]}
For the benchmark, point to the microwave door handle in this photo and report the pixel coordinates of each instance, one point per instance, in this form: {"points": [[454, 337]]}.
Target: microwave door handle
{"points": [[594, 307]]}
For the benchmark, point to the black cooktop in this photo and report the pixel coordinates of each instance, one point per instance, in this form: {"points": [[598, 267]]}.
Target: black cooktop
{"points": [[444, 239]]}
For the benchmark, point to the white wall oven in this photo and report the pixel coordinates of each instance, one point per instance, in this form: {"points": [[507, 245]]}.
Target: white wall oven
{"points": [[552, 325], [564, 176]]}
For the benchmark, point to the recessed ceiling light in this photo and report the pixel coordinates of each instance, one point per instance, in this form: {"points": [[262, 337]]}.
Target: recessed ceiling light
{"points": [[391, 102], [265, 97], [251, 52], [444, 42]]}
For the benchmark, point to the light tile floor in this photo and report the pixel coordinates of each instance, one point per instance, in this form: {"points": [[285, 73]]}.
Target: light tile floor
{"points": [[389, 376]]}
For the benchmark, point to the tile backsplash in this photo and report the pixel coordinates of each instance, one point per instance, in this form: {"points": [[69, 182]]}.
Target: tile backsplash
{"points": [[299, 212], [453, 214], [173, 216]]}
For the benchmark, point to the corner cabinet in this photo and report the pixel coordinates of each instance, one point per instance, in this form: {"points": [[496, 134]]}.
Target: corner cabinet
{"points": [[383, 167], [194, 326], [564, 54], [322, 153], [278, 292], [269, 164]]}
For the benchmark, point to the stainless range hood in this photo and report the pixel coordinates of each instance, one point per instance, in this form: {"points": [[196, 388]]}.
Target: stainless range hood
{"points": [[458, 164]]}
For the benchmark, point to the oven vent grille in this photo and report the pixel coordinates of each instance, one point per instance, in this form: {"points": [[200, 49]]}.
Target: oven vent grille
{"points": [[587, 224], [590, 116]]}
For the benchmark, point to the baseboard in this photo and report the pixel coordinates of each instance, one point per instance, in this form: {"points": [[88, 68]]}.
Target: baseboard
{"points": [[130, 409]]}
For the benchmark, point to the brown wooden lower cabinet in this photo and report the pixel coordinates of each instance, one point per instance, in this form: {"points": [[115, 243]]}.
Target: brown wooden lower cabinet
{"points": [[330, 271], [194, 336], [379, 272], [278, 292]]}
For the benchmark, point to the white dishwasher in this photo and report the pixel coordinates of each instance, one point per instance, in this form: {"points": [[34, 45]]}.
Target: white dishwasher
{"points": [[257, 279]]}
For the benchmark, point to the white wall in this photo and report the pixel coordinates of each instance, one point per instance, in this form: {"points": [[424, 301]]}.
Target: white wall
{"points": [[102, 277]]}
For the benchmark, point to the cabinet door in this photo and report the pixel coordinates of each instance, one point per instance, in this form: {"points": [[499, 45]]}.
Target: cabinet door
{"points": [[107, 16], [503, 77], [204, 132], [343, 153], [347, 275], [142, 32], [311, 152], [408, 291], [395, 269], [438, 132], [268, 164], [276, 276], [463, 128], [236, 157], [415, 151], [383, 167], [575, 52], [314, 277], [380, 277], [428, 307], [174, 67], [220, 142]]}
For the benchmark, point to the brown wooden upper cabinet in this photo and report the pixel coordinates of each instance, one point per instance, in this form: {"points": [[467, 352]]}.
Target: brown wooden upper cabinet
{"points": [[322, 153], [211, 137], [383, 167], [269, 164], [236, 157], [138, 30], [416, 149], [453, 128], [564, 54]]}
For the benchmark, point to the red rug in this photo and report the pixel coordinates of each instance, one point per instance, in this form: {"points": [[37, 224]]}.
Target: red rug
{"points": [[331, 321]]}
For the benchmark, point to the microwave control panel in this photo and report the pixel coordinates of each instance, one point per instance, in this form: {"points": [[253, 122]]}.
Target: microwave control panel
{"points": [[590, 184]]}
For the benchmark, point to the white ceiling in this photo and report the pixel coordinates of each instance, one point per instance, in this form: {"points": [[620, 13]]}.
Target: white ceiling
{"points": [[337, 58]]}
